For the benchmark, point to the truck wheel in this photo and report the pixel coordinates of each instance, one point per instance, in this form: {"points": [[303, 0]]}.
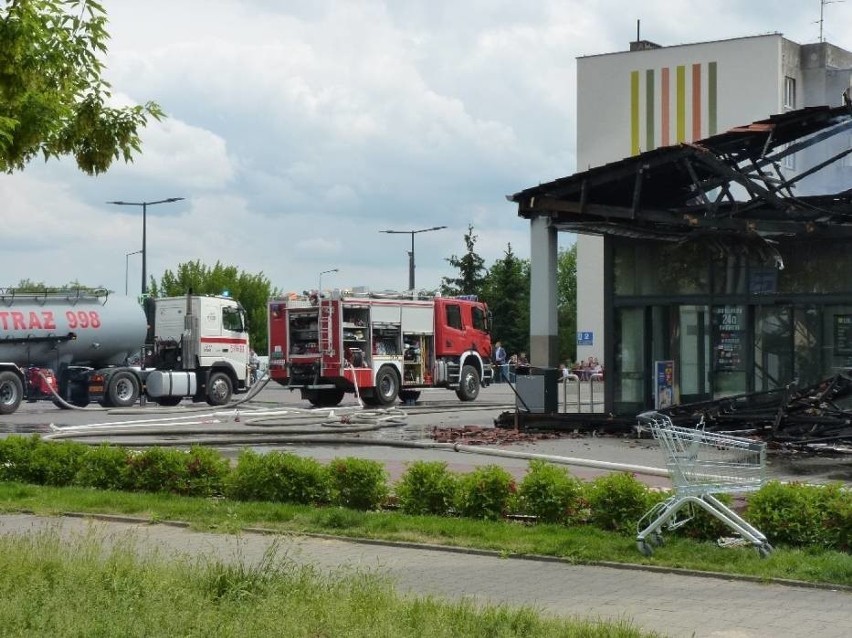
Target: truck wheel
{"points": [[468, 384], [219, 389], [325, 398], [123, 390], [387, 386], [11, 392], [169, 402]]}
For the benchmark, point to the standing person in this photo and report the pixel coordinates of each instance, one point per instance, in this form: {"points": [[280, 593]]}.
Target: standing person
{"points": [[254, 365], [500, 361]]}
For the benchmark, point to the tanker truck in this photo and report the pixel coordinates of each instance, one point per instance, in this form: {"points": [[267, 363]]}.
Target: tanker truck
{"points": [[79, 347]]}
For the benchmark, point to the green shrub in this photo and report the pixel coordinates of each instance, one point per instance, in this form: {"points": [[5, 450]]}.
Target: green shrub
{"points": [[158, 469], [550, 493], [617, 502], [206, 471], [485, 492], [800, 515], [427, 487], [34, 460], [16, 454], [104, 467], [279, 477], [361, 484], [701, 525]]}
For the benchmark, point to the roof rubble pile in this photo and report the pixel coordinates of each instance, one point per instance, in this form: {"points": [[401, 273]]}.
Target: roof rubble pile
{"points": [[816, 417]]}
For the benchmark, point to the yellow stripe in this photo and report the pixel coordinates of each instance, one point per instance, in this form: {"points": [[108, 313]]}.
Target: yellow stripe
{"points": [[680, 105], [634, 113]]}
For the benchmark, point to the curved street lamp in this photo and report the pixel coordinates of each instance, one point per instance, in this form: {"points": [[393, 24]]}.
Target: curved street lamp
{"points": [[411, 254], [144, 252], [324, 272]]}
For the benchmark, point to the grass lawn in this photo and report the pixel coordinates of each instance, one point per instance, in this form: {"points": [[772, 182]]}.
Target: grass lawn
{"points": [[580, 544]]}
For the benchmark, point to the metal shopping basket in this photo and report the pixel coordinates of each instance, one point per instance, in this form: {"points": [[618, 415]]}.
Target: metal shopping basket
{"points": [[701, 464]]}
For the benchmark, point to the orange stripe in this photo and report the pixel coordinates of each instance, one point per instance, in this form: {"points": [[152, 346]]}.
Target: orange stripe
{"points": [[664, 107], [696, 102]]}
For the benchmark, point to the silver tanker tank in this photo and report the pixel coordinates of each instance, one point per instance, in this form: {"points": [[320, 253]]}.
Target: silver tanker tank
{"points": [[55, 328]]}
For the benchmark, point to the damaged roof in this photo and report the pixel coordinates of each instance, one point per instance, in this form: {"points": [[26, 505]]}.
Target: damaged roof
{"points": [[741, 182]]}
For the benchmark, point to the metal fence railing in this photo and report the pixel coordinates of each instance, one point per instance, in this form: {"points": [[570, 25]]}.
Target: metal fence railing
{"points": [[580, 395]]}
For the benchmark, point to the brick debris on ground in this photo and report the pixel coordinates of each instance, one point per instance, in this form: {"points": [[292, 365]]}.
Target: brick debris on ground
{"points": [[478, 435]]}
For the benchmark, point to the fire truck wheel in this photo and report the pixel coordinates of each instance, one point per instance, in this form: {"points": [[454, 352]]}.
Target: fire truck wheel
{"points": [[219, 389], [11, 392], [326, 398], [123, 390], [387, 386], [468, 384]]}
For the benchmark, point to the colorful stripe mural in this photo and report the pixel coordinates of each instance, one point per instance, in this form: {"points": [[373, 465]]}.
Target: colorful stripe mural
{"points": [[666, 103]]}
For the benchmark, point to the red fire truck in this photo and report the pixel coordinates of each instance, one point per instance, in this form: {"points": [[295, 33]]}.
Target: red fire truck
{"points": [[383, 346]]}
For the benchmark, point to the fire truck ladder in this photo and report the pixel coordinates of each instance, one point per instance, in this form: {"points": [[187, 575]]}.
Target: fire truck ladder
{"points": [[326, 310]]}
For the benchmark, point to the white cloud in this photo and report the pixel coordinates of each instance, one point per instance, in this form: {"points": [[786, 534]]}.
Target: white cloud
{"points": [[298, 130]]}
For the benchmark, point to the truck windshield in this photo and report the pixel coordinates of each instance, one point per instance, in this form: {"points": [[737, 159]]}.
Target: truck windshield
{"points": [[480, 320], [232, 319]]}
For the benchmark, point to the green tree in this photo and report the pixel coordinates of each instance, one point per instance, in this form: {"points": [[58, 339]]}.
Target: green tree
{"points": [[471, 267], [507, 293], [252, 291], [52, 96], [28, 285], [566, 291]]}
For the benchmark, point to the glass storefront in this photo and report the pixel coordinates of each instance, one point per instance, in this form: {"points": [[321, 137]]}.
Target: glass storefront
{"points": [[730, 321]]}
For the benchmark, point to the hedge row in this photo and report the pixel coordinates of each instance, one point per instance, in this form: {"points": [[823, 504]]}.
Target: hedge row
{"points": [[794, 514]]}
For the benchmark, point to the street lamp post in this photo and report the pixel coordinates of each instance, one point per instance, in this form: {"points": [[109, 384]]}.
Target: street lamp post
{"points": [[411, 254], [126, 264], [144, 250], [324, 272]]}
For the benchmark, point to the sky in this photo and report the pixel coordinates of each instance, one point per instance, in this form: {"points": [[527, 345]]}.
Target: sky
{"points": [[298, 131]]}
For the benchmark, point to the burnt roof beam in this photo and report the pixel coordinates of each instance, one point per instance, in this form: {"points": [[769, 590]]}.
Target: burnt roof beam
{"points": [[756, 190], [559, 210]]}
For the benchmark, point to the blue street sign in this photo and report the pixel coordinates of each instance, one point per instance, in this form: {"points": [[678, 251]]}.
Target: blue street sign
{"points": [[585, 338]]}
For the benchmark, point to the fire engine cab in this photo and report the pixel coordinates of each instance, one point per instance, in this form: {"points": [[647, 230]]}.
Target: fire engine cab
{"points": [[383, 346]]}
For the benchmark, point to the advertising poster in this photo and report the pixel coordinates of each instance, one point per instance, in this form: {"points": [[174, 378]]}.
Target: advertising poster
{"points": [[730, 336], [663, 384]]}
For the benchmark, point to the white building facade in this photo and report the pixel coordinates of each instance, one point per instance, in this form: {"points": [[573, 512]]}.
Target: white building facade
{"points": [[650, 97]]}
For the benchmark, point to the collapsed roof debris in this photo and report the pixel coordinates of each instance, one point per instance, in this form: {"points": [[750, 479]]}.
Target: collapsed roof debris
{"points": [[820, 414], [813, 417]]}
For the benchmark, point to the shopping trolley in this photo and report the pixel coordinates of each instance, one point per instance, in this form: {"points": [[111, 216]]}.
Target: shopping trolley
{"points": [[701, 464]]}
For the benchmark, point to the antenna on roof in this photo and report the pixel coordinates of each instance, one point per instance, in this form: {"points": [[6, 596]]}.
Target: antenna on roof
{"points": [[822, 4]]}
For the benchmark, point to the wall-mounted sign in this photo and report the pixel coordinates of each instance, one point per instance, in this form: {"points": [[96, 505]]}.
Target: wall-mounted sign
{"points": [[728, 337], [585, 338], [663, 384], [843, 335]]}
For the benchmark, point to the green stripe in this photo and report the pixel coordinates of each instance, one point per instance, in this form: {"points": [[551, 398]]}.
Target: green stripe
{"points": [[680, 104], [711, 98], [634, 112], [649, 110]]}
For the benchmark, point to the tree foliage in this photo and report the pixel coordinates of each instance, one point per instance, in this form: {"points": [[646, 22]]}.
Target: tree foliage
{"points": [[506, 290], [471, 269], [53, 100], [566, 290], [72, 287], [505, 287], [252, 291]]}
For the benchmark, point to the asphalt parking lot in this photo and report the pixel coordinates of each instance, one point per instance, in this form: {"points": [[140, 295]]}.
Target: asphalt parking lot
{"points": [[278, 419]]}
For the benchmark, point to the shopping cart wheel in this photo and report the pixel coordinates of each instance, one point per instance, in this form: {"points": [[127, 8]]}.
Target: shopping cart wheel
{"points": [[655, 539], [764, 550], [644, 547]]}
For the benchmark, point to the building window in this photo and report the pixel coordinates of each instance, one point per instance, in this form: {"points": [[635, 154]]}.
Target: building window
{"points": [[789, 93]]}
